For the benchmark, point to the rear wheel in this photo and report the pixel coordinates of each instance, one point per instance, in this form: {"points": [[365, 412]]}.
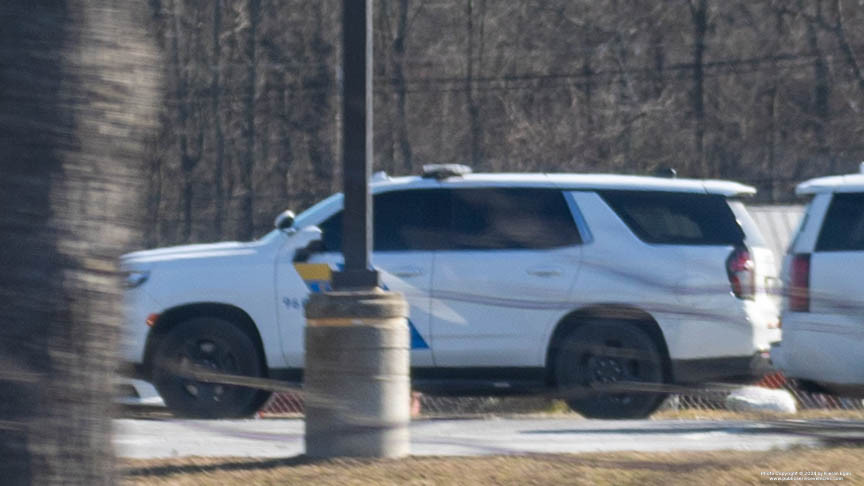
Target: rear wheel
{"points": [[216, 345], [602, 354]]}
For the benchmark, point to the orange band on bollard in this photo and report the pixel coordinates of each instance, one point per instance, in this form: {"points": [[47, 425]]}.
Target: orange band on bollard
{"points": [[340, 321]]}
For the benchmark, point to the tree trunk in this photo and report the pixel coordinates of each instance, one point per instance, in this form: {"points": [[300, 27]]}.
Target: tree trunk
{"points": [[77, 96], [321, 97], [188, 159], [699, 15], [851, 59], [821, 91], [216, 93], [473, 105], [399, 86], [247, 211]]}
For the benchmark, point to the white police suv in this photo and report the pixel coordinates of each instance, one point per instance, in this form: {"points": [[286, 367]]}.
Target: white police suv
{"points": [[517, 283], [823, 271]]}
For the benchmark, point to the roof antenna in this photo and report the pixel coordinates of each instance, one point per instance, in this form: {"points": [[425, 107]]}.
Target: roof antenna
{"points": [[667, 172]]}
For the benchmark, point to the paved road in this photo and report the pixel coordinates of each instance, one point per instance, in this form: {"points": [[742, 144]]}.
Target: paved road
{"points": [[284, 437]]}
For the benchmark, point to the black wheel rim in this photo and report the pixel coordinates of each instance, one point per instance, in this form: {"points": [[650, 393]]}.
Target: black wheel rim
{"points": [[608, 358], [212, 356]]}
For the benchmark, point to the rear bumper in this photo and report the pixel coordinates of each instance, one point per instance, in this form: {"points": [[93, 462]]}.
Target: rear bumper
{"points": [[824, 348], [734, 369]]}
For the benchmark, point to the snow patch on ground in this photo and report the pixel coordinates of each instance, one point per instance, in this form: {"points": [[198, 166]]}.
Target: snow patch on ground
{"points": [[758, 399]]}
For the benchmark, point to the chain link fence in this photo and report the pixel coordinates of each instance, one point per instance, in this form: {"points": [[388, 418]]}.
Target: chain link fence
{"points": [[704, 402]]}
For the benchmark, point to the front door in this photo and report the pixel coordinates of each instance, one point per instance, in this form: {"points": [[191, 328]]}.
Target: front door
{"points": [[406, 226]]}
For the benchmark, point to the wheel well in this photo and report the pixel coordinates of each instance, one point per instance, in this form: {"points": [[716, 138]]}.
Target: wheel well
{"points": [[169, 319], [579, 317]]}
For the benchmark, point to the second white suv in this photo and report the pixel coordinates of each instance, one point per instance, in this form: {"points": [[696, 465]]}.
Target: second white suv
{"points": [[823, 312], [517, 283]]}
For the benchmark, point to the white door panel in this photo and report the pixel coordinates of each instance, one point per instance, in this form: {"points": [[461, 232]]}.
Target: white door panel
{"points": [[409, 273], [837, 282], [493, 307]]}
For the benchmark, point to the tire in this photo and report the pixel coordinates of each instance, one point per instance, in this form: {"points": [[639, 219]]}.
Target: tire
{"points": [[215, 344], [606, 352]]}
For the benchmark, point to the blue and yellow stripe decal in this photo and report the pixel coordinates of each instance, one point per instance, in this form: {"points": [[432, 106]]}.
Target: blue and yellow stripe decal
{"points": [[318, 277]]}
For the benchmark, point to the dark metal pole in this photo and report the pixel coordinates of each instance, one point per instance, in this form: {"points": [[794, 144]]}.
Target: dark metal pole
{"points": [[357, 374], [356, 146]]}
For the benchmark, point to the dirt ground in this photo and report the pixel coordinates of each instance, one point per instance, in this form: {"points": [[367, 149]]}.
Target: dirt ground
{"points": [[795, 466]]}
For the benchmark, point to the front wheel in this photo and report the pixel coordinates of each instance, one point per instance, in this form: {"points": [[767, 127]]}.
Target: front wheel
{"points": [[219, 346], [602, 354]]}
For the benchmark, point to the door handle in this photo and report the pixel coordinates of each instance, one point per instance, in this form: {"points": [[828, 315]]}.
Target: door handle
{"points": [[406, 272], [544, 271]]}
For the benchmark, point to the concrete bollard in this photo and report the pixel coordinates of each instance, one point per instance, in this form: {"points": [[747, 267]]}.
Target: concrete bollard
{"points": [[357, 378]]}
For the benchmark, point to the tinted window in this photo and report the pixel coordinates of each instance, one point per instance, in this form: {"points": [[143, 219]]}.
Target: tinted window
{"points": [[677, 218], [404, 220], [410, 220], [331, 232], [492, 218], [843, 228]]}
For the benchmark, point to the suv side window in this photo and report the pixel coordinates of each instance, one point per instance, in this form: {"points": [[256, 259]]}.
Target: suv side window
{"points": [[843, 227], [331, 233], [403, 220], [676, 218], [511, 218]]}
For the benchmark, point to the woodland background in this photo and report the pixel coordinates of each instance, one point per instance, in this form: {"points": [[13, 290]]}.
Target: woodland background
{"points": [[766, 92]]}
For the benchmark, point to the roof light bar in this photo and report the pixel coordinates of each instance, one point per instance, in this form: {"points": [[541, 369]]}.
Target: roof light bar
{"points": [[443, 171]]}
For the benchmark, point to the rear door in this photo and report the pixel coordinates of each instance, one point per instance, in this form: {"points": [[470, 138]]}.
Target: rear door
{"points": [[837, 264], [705, 231], [701, 227], [513, 256]]}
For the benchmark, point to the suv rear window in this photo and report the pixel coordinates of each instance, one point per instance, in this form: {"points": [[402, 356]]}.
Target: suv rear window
{"points": [[676, 218], [843, 227]]}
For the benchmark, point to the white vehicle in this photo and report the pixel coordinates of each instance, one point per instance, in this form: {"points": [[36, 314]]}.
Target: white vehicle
{"points": [[517, 283], [823, 322]]}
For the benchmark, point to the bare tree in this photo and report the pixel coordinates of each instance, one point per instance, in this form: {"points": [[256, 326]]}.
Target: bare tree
{"points": [[393, 37], [191, 131], [699, 16], [475, 18], [246, 227], [763, 91], [216, 105]]}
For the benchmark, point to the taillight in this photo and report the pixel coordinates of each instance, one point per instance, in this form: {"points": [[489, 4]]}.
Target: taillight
{"points": [[742, 273], [799, 283]]}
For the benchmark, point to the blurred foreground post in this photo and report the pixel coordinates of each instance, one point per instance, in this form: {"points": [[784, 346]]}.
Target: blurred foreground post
{"points": [[357, 382], [76, 97], [357, 386]]}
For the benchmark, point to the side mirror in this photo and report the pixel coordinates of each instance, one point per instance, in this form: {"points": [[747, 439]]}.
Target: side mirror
{"points": [[284, 221]]}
